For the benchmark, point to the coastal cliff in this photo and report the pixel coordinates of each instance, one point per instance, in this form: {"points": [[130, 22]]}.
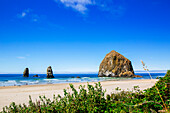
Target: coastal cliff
{"points": [[116, 65]]}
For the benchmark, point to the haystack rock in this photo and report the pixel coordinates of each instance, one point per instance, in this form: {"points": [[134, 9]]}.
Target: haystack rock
{"points": [[115, 65], [26, 72], [49, 72]]}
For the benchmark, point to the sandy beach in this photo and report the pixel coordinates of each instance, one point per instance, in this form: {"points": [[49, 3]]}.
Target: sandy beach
{"points": [[20, 94]]}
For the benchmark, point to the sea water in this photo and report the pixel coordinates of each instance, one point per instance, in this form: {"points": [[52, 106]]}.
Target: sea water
{"points": [[18, 79]]}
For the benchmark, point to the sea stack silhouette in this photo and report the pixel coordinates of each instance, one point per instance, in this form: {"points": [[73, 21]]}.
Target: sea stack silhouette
{"points": [[36, 75], [116, 65], [26, 72], [50, 72]]}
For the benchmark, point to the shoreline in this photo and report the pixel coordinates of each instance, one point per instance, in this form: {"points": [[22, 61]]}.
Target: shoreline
{"points": [[34, 85], [1, 87], [20, 94], [19, 80], [127, 79]]}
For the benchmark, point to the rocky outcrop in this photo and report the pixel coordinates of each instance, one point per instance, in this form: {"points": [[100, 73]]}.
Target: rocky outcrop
{"points": [[126, 74], [138, 76], [26, 72], [115, 65], [35, 76], [49, 72]]}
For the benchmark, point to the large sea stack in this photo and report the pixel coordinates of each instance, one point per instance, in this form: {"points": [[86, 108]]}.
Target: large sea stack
{"points": [[49, 72], [115, 65], [26, 72]]}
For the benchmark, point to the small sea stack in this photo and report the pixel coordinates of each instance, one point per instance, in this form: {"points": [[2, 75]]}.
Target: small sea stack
{"points": [[26, 72], [36, 75], [50, 72], [116, 65]]}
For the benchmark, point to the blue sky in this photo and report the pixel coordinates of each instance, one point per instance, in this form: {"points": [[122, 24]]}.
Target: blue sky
{"points": [[75, 35]]}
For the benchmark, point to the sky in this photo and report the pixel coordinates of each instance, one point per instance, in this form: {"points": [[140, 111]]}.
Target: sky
{"points": [[75, 35]]}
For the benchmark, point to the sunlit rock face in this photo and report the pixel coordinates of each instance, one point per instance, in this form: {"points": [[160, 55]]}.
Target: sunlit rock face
{"points": [[26, 72], [49, 72], [115, 65]]}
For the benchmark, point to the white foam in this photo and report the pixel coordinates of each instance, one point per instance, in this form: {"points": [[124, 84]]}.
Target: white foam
{"points": [[51, 79], [11, 81], [74, 80], [24, 81], [34, 82]]}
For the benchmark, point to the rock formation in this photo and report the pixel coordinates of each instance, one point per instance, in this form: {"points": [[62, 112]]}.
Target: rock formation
{"points": [[26, 72], [115, 65], [35, 76], [138, 76], [49, 72]]}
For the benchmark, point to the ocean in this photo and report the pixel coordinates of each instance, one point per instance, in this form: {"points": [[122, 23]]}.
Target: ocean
{"points": [[18, 80]]}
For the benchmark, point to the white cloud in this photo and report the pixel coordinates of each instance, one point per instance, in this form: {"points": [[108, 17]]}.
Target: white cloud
{"points": [[112, 6], [21, 57], [79, 5], [24, 13], [28, 15]]}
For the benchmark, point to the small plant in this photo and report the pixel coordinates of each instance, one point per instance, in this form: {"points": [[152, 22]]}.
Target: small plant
{"points": [[146, 69]]}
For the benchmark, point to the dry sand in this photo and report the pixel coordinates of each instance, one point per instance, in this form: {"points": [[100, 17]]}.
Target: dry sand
{"points": [[20, 94]]}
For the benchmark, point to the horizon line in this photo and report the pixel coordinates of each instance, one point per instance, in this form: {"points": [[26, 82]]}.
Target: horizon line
{"points": [[95, 72]]}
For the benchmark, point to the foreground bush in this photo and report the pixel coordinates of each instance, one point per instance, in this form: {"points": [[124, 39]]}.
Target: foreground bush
{"points": [[94, 100]]}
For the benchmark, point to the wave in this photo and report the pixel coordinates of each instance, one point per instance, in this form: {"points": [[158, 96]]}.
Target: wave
{"points": [[51, 79], [66, 79], [10, 82], [24, 81], [34, 82], [74, 80]]}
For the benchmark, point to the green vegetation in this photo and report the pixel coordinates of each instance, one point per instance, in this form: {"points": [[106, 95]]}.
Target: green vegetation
{"points": [[94, 100]]}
